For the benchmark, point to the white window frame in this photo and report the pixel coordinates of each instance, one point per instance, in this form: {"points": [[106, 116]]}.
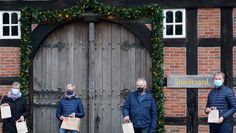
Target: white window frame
{"points": [[10, 25], [183, 23]]}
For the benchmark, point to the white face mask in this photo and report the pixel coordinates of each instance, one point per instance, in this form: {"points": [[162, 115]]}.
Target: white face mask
{"points": [[15, 91]]}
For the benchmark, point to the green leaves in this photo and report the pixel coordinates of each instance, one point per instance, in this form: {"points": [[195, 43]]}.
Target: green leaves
{"points": [[153, 12]]}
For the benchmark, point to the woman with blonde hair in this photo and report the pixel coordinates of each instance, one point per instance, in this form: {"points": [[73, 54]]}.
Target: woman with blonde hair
{"points": [[19, 108], [69, 106]]}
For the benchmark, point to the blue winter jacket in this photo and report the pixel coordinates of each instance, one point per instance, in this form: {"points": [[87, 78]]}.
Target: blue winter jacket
{"points": [[142, 114], [224, 100], [67, 106]]}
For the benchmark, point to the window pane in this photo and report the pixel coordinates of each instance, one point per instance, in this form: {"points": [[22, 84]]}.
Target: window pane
{"points": [[178, 16], [6, 31], [14, 18], [169, 17], [178, 30], [5, 18], [169, 30], [14, 30]]}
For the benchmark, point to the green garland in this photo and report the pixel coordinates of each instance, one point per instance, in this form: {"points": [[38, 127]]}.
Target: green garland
{"points": [[153, 11]]}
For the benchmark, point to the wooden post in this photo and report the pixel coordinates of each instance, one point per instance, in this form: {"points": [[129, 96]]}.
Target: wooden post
{"points": [[226, 45], [91, 72], [192, 69]]}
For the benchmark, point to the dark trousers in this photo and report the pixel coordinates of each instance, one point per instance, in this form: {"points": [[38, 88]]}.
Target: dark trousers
{"points": [[9, 128], [141, 130], [225, 127]]}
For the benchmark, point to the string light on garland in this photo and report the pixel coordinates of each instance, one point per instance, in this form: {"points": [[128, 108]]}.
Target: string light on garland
{"points": [[152, 12]]}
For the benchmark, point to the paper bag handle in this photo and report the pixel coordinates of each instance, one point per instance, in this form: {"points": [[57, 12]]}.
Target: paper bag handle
{"points": [[213, 108]]}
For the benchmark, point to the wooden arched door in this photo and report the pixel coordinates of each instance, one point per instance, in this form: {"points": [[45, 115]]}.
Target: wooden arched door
{"points": [[119, 58]]}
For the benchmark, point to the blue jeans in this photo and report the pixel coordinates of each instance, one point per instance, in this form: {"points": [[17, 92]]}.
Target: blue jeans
{"points": [[141, 130], [61, 130], [225, 127]]}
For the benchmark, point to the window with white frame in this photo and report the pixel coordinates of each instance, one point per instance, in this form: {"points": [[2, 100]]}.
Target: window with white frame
{"points": [[9, 25], [174, 23]]}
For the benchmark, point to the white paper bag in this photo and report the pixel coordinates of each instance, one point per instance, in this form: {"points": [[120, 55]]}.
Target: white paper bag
{"points": [[5, 111], [71, 123], [128, 127], [21, 127], [213, 116]]}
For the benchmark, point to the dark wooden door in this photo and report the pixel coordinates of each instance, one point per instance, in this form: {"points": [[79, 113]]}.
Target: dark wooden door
{"points": [[119, 58]]}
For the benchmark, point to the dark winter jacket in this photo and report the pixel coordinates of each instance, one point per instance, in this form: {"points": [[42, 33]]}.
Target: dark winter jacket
{"points": [[18, 107], [143, 114], [224, 100], [67, 106]]}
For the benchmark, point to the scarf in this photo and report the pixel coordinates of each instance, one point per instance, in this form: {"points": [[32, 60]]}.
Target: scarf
{"points": [[14, 97]]}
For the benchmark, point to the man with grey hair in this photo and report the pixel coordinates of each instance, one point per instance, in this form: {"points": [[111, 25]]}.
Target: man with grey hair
{"points": [[140, 108]]}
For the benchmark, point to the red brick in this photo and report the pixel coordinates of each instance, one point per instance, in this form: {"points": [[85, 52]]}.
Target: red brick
{"points": [[209, 23], [9, 61], [208, 60], [175, 102], [234, 61], [234, 22], [208, 64], [174, 61], [175, 129]]}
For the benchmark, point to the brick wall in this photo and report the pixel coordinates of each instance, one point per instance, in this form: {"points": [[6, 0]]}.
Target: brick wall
{"points": [[234, 61], [208, 23], [203, 129], [4, 89], [234, 22], [175, 129], [208, 63], [9, 67], [208, 60], [174, 61], [9, 61], [175, 99], [175, 102], [234, 67]]}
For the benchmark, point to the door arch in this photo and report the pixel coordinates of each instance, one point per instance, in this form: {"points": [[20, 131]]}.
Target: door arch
{"points": [[63, 57]]}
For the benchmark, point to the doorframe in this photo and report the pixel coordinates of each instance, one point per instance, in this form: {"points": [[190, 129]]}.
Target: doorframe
{"points": [[152, 11]]}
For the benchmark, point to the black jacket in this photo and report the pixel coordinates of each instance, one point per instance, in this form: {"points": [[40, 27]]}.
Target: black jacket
{"points": [[18, 107]]}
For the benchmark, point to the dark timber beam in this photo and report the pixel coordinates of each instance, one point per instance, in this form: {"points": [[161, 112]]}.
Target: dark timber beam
{"points": [[192, 69], [10, 43], [61, 4], [226, 52], [209, 42], [50, 4], [7, 80], [175, 42], [181, 121]]}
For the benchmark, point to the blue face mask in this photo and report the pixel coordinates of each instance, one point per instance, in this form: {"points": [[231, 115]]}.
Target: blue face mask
{"points": [[218, 83]]}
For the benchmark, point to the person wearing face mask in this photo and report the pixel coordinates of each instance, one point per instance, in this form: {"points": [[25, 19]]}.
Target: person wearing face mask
{"points": [[223, 99], [69, 106], [19, 108], [140, 109]]}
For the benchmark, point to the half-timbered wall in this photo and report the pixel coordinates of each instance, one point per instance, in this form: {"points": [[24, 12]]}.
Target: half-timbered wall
{"points": [[208, 47]]}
